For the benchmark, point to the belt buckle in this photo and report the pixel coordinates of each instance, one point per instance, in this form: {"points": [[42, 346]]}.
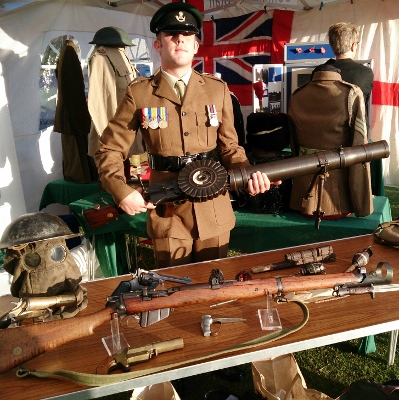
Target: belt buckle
{"points": [[187, 159]]}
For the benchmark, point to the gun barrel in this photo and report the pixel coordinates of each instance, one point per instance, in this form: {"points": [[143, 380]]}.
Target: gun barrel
{"points": [[310, 163]]}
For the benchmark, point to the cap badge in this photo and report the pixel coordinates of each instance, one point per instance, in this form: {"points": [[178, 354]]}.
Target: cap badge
{"points": [[181, 17]]}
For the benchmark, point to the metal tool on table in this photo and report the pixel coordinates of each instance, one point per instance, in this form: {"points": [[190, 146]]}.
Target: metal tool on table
{"points": [[130, 356], [302, 257], [38, 308], [345, 290], [360, 259], [207, 321]]}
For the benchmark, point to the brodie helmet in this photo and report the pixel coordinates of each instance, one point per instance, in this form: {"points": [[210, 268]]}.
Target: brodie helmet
{"points": [[112, 36], [35, 227]]}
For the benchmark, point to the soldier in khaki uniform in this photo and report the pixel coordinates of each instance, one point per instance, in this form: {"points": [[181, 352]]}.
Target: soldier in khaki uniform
{"points": [[324, 114], [198, 126]]}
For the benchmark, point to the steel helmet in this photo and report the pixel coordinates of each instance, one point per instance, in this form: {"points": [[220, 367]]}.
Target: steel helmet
{"points": [[35, 227], [112, 36]]}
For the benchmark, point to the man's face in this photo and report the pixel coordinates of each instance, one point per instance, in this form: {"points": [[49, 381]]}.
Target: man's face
{"points": [[177, 49]]}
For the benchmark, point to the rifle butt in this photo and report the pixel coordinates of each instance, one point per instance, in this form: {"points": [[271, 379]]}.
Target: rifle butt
{"points": [[97, 216], [23, 343]]}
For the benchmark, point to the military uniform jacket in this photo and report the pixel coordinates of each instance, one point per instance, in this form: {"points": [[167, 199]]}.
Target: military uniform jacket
{"points": [[188, 132], [72, 118], [110, 72], [324, 114]]}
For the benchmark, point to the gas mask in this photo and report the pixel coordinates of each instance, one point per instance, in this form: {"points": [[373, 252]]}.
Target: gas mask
{"points": [[42, 266]]}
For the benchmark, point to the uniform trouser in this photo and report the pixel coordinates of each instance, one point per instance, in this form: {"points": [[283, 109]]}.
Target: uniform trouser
{"points": [[170, 252]]}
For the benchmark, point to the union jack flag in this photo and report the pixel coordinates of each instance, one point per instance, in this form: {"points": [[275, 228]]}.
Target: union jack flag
{"points": [[231, 46]]}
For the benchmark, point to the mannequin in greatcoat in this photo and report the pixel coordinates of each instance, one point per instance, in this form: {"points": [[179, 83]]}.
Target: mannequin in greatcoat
{"points": [[110, 72], [324, 114]]}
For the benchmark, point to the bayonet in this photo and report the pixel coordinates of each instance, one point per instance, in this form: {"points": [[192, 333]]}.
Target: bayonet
{"points": [[372, 289]]}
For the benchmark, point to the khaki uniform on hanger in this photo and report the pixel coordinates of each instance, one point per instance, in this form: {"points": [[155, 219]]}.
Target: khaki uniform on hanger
{"points": [[110, 72]]}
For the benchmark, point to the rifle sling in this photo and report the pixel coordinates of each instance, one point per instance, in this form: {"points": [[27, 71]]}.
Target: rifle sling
{"points": [[101, 380]]}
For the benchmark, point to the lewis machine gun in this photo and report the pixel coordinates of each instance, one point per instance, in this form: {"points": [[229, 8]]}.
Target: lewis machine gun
{"points": [[203, 180]]}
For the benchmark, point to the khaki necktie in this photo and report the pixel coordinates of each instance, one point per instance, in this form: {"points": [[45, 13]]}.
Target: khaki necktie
{"points": [[180, 89]]}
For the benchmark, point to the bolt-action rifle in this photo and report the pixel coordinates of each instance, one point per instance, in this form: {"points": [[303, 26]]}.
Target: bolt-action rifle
{"points": [[23, 343], [203, 180], [38, 308]]}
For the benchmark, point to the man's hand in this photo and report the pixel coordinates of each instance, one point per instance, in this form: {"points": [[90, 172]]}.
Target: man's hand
{"points": [[259, 183], [134, 203]]}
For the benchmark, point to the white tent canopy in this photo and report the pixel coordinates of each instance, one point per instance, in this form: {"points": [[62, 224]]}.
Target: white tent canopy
{"points": [[30, 157]]}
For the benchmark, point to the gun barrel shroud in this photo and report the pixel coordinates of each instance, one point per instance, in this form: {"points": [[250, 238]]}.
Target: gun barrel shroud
{"points": [[311, 163]]}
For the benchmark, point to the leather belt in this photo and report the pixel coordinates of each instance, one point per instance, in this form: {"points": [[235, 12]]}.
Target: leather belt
{"points": [[176, 163]]}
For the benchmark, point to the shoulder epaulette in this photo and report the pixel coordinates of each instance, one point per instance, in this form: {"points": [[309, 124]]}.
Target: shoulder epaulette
{"points": [[210, 76], [140, 79], [348, 84]]}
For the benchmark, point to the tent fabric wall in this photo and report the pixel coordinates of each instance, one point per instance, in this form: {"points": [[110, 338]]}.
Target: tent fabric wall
{"points": [[25, 32], [24, 36], [379, 34]]}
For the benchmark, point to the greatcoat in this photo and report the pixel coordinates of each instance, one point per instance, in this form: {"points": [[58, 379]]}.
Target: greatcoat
{"points": [[110, 72], [72, 118], [324, 114], [188, 132]]}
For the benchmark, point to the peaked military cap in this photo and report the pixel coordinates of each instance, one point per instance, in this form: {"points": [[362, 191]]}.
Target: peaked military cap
{"points": [[176, 17]]}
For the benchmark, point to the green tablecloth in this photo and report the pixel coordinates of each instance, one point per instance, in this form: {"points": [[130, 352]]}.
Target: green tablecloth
{"points": [[255, 232], [261, 232], [65, 192]]}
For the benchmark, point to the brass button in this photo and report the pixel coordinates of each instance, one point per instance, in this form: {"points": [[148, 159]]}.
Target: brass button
{"points": [[185, 133]]}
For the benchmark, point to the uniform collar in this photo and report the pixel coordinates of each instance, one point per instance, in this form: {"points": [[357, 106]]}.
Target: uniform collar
{"points": [[326, 76], [172, 79]]}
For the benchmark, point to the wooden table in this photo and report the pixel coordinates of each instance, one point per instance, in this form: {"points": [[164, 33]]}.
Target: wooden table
{"points": [[330, 322]]}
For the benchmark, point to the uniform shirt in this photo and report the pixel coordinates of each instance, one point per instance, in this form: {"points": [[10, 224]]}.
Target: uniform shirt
{"points": [[172, 79], [188, 132]]}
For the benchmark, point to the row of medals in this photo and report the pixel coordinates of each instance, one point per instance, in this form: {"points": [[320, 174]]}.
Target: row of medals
{"points": [[162, 123], [154, 123]]}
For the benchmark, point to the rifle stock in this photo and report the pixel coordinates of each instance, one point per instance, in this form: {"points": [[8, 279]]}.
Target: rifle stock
{"points": [[289, 168], [97, 216], [21, 344], [25, 342]]}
